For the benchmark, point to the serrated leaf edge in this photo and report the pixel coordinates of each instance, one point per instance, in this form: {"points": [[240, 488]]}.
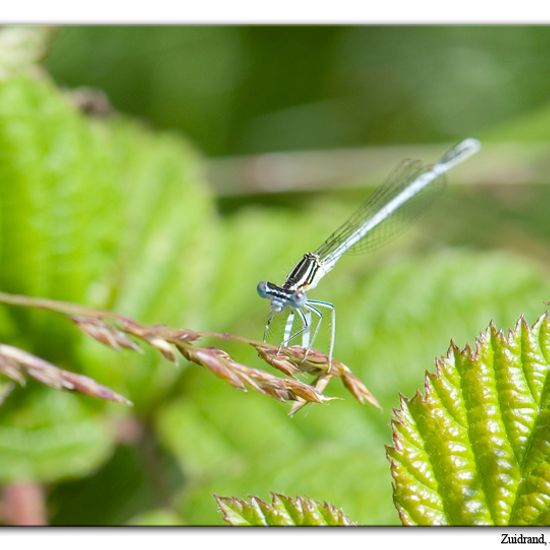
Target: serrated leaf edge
{"points": [[472, 354]]}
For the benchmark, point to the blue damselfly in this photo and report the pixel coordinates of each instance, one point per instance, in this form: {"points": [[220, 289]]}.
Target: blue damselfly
{"points": [[366, 228]]}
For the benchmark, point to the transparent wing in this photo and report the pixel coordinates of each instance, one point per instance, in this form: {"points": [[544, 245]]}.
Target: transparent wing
{"points": [[401, 178]]}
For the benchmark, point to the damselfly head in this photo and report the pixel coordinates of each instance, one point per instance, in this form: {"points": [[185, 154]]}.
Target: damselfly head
{"points": [[262, 289], [278, 296]]}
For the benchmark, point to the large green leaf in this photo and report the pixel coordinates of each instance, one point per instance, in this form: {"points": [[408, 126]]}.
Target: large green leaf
{"points": [[166, 231], [56, 171], [475, 448], [103, 212]]}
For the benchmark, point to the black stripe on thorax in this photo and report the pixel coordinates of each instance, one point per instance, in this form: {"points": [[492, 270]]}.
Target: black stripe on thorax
{"points": [[276, 291], [303, 273]]}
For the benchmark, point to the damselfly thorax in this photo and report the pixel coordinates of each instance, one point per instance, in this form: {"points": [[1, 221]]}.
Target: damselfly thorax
{"points": [[372, 223], [305, 276], [306, 273]]}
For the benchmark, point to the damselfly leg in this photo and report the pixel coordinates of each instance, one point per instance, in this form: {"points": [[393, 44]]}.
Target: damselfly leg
{"points": [[329, 306], [309, 338], [288, 326], [288, 337], [268, 325], [307, 333]]}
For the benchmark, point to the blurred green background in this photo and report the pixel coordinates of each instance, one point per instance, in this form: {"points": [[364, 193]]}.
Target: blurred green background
{"points": [[171, 205]]}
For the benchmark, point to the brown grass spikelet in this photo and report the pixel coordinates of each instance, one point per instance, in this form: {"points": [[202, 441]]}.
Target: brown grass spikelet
{"points": [[15, 363], [119, 332]]}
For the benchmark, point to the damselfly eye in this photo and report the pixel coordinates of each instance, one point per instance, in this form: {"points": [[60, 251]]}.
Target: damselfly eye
{"points": [[262, 289], [299, 298]]}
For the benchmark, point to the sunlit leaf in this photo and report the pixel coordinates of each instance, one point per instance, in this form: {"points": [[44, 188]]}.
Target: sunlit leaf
{"points": [[474, 448], [282, 511], [99, 211]]}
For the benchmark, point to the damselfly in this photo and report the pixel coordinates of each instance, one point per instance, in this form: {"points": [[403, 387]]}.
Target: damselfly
{"points": [[366, 227]]}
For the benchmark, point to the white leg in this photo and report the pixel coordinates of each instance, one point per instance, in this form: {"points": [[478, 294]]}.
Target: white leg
{"points": [[267, 325], [311, 309], [306, 333], [319, 315], [330, 306], [288, 327], [305, 328]]}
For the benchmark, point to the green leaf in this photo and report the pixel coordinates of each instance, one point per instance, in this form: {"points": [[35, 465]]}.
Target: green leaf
{"points": [[104, 212], [283, 511], [55, 173], [474, 449], [166, 242], [49, 435]]}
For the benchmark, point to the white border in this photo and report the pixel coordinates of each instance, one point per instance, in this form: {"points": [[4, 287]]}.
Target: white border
{"points": [[264, 538], [276, 12]]}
